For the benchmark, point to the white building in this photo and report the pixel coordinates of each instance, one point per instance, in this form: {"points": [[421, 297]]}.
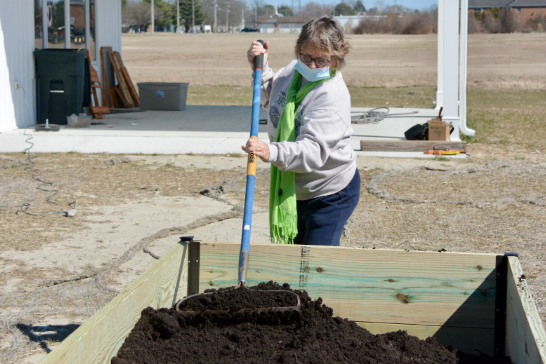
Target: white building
{"points": [[349, 22], [282, 24], [93, 24]]}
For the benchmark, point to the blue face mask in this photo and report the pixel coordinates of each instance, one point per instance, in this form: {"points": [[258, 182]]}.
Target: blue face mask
{"points": [[312, 74]]}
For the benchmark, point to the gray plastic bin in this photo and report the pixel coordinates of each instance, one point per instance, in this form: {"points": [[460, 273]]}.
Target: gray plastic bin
{"points": [[163, 95]]}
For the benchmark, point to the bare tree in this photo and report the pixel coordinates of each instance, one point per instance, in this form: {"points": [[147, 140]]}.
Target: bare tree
{"points": [[415, 22], [316, 10], [380, 5], [234, 9], [474, 25], [508, 21], [139, 15]]}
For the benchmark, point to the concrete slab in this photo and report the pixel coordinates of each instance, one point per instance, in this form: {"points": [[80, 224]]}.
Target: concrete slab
{"points": [[198, 130]]}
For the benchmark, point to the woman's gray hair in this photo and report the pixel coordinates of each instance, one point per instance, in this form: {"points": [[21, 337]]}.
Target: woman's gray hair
{"points": [[324, 35]]}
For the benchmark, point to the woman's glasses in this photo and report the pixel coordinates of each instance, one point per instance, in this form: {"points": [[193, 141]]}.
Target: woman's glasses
{"points": [[320, 62]]}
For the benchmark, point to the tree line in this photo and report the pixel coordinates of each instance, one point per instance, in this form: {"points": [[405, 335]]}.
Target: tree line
{"points": [[229, 13], [401, 20], [233, 14]]}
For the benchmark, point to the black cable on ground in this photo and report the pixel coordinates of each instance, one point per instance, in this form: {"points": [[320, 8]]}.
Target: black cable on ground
{"points": [[375, 115], [36, 176]]}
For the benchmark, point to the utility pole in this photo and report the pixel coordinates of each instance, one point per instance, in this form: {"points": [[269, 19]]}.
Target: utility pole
{"points": [[215, 19], [227, 19], [153, 24], [178, 16], [242, 18], [192, 16]]}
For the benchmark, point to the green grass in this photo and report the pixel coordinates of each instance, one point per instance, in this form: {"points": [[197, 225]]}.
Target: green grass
{"points": [[501, 117], [224, 95], [507, 118]]}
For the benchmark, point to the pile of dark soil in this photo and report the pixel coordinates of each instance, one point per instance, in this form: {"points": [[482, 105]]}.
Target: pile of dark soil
{"points": [[214, 329]]}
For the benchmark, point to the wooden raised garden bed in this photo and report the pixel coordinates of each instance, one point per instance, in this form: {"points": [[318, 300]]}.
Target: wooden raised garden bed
{"points": [[478, 303]]}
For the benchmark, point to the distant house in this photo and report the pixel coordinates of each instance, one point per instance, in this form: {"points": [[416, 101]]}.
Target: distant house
{"points": [[528, 9], [523, 9], [481, 5], [282, 24]]}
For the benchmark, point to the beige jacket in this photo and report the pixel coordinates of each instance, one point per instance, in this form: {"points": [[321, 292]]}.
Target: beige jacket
{"points": [[321, 156]]}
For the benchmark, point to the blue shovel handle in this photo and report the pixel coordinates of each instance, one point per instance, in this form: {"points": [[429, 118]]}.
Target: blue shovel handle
{"points": [[252, 163]]}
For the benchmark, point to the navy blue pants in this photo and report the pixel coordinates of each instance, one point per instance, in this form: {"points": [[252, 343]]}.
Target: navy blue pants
{"points": [[321, 219]]}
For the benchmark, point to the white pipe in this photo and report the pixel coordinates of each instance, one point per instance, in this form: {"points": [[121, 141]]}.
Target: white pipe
{"points": [[463, 72]]}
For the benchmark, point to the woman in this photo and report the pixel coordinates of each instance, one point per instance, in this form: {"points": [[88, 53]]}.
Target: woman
{"points": [[309, 126]]}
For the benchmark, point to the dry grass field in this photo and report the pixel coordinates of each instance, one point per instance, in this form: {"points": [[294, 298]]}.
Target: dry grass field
{"points": [[494, 61], [506, 75], [58, 271]]}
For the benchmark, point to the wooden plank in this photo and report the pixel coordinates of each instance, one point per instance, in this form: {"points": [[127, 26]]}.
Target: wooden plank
{"points": [[398, 287], [108, 80], [129, 81], [121, 81], [470, 340], [525, 335], [408, 145], [100, 338], [131, 86], [117, 95]]}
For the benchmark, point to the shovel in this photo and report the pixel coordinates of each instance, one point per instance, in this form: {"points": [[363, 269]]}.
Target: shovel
{"points": [[274, 296]]}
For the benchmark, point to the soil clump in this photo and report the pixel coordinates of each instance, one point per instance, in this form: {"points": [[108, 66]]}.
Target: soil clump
{"points": [[217, 329]]}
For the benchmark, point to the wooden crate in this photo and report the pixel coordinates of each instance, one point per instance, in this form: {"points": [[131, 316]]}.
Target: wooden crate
{"points": [[479, 303]]}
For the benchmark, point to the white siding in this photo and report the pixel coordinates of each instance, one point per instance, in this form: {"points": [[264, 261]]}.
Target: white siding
{"points": [[108, 27], [17, 104], [16, 64]]}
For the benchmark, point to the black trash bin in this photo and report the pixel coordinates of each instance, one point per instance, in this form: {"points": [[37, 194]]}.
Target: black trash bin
{"points": [[60, 84]]}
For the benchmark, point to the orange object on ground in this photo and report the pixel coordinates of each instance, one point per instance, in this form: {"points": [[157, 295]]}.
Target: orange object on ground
{"points": [[444, 152]]}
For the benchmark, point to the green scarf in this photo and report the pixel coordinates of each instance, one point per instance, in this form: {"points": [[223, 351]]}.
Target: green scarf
{"points": [[283, 216]]}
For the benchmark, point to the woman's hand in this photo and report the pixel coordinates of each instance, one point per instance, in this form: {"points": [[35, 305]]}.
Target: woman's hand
{"points": [[258, 147], [255, 49]]}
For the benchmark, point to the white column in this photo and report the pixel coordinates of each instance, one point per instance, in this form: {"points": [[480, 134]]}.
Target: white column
{"points": [[88, 30], [440, 87], [450, 65]]}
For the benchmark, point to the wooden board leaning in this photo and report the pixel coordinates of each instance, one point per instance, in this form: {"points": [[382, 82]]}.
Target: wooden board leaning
{"points": [[122, 84], [108, 80]]}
